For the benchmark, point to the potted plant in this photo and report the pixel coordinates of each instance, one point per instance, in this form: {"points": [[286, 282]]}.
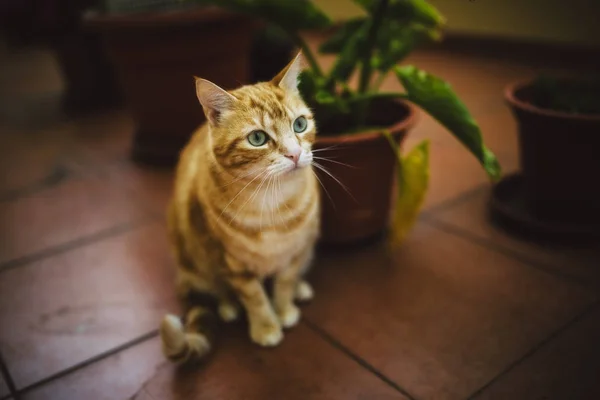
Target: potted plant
{"points": [[156, 47], [559, 135], [359, 129]]}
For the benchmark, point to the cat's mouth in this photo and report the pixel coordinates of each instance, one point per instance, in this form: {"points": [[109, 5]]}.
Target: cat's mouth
{"points": [[294, 168]]}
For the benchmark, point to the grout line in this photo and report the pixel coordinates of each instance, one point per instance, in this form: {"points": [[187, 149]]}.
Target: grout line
{"points": [[90, 361], [5, 373], [335, 343], [69, 169], [586, 311], [515, 255], [61, 173], [73, 244]]}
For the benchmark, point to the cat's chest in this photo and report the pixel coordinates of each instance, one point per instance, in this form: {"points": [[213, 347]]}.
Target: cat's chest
{"points": [[268, 252]]}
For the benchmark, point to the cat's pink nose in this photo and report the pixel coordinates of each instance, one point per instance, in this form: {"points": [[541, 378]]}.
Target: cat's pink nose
{"points": [[294, 154]]}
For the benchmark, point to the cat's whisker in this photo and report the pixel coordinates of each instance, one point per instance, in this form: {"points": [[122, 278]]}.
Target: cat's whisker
{"points": [[264, 197], [333, 161], [276, 195], [322, 168], [285, 204], [238, 194], [262, 207], [324, 188], [253, 195], [273, 202], [274, 173], [239, 178], [326, 148]]}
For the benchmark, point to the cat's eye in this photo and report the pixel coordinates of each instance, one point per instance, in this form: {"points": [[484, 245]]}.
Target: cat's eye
{"points": [[300, 124], [257, 138]]}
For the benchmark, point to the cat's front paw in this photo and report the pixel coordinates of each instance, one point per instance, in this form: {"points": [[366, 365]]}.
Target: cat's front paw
{"points": [[228, 312], [304, 292], [289, 316], [266, 334]]}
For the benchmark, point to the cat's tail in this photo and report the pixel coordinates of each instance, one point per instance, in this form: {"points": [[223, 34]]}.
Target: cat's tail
{"points": [[189, 341]]}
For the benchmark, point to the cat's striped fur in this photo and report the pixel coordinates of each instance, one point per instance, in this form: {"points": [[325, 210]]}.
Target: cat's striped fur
{"points": [[242, 213]]}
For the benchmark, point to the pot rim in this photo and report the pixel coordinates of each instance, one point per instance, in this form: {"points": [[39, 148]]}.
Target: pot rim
{"points": [[403, 125], [510, 96]]}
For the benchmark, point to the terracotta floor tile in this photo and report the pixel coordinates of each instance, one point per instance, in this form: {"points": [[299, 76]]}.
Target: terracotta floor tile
{"points": [[441, 316], [102, 138], [28, 158], [153, 185], [118, 376], [304, 366], [471, 216], [64, 309], [565, 368], [64, 212]]}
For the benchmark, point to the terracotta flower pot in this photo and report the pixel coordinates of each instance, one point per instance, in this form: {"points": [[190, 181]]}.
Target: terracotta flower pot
{"points": [[156, 56], [559, 159], [363, 210]]}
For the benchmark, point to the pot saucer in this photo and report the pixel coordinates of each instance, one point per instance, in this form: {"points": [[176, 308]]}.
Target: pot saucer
{"points": [[509, 209]]}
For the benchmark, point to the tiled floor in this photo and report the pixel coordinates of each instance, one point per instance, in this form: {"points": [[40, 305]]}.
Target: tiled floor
{"points": [[461, 311]]}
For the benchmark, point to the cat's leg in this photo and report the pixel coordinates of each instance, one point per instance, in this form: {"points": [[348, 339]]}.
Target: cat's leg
{"points": [[304, 291], [265, 329], [229, 309], [288, 283]]}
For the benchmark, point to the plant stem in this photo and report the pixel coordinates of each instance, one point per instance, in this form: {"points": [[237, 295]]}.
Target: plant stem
{"points": [[365, 75], [307, 53], [377, 84]]}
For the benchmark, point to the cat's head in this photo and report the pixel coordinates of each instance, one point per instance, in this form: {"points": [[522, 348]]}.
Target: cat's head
{"points": [[261, 128]]}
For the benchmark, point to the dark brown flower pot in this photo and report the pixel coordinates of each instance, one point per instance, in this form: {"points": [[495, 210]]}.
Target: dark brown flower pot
{"points": [[560, 163], [90, 80], [364, 164], [156, 56]]}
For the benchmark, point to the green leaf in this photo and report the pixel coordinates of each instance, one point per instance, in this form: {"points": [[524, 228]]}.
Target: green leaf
{"points": [[324, 97], [367, 5], [292, 16], [412, 174], [397, 40], [437, 98], [320, 98], [336, 43], [418, 11], [372, 96], [349, 57], [308, 85]]}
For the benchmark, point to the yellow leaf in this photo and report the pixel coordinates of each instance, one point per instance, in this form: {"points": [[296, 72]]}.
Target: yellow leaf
{"points": [[412, 174]]}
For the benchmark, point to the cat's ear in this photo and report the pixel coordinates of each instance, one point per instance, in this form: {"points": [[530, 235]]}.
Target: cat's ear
{"points": [[214, 100], [287, 79]]}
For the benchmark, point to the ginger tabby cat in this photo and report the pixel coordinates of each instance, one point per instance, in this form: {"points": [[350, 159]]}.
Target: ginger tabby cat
{"points": [[245, 207]]}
